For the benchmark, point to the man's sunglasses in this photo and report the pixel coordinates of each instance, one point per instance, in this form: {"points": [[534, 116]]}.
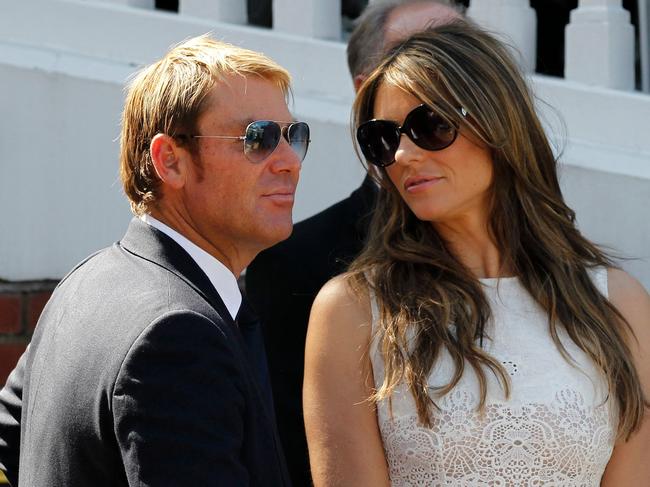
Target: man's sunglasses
{"points": [[262, 137], [380, 139]]}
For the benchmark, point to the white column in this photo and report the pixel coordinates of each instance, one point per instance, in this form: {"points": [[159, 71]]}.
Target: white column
{"points": [[516, 19], [644, 37], [229, 11], [146, 4], [599, 46], [311, 18]]}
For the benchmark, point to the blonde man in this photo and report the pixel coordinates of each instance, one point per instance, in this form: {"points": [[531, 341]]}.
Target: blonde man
{"points": [[138, 373]]}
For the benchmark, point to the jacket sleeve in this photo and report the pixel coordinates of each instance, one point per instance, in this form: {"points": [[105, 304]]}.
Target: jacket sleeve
{"points": [[178, 405], [11, 403]]}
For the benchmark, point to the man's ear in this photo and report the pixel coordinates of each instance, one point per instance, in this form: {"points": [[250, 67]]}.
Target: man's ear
{"points": [[358, 81], [168, 160]]}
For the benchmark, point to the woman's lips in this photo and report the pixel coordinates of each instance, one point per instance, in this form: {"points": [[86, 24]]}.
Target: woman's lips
{"points": [[416, 184]]}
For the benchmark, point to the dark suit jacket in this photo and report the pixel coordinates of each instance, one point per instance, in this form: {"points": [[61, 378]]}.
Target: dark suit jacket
{"points": [[137, 375], [281, 284]]}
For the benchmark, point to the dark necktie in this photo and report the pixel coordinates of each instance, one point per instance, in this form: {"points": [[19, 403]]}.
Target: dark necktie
{"points": [[251, 331]]}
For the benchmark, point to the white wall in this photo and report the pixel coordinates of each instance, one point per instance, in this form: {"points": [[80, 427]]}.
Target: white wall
{"points": [[59, 191], [608, 211], [605, 175], [62, 68]]}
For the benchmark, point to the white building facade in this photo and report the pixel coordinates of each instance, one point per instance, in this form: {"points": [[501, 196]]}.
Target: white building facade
{"points": [[64, 63]]}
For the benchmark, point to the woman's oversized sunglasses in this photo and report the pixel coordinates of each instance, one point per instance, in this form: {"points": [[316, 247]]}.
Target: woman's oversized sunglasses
{"points": [[262, 137], [380, 139]]}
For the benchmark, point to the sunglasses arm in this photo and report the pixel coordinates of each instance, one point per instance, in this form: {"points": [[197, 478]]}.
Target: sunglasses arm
{"points": [[237, 137]]}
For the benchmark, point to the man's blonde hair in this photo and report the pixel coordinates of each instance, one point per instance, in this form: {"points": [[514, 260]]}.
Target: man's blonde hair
{"points": [[169, 96]]}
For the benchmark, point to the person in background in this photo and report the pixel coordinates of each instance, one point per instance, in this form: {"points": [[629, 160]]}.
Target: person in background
{"points": [[479, 338], [282, 282], [139, 372]]}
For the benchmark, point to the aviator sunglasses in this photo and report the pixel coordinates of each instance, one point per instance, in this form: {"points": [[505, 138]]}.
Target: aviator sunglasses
{"points": [[380, 139], [262, 137]]}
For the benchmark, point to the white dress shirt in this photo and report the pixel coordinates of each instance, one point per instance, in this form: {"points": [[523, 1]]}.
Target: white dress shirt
{"points": [[219, 275]]}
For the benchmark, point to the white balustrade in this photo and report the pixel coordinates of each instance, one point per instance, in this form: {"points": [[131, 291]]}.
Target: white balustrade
{"points": [[311, 18], [146, 4], [600, 45], [513, 18], [230, 11]]}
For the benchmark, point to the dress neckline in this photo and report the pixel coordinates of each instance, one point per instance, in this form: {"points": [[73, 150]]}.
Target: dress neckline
{"points": [[491, 281]]}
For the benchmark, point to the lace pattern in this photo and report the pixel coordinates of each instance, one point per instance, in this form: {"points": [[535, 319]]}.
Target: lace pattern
{"points": [[556, 430], [564, 443]]}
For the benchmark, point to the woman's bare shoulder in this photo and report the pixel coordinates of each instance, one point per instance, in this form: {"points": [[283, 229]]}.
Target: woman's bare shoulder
{"points": [[342, 295], [342, 288], [341, 312], [630, 298]]}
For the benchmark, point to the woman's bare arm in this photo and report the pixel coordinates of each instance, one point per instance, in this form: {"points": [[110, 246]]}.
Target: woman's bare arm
{"points": [[630, 462], [344, 441]]}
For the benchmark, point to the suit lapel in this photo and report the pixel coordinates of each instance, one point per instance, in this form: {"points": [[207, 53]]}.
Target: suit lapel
{"points": [[153, 245]]}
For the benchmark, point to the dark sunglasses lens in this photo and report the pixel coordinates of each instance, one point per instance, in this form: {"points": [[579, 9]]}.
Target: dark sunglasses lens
{"points": [[378, 141], [262, 137], [428, 129], [298, 138]]}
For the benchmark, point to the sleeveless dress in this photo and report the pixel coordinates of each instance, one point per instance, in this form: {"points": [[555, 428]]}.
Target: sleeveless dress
{"points": [[557, 429]]}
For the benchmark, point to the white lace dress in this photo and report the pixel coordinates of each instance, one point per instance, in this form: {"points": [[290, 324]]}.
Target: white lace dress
{"points": [[557, 428]]}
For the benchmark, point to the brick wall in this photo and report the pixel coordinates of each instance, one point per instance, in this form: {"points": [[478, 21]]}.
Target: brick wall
{"points": [[21, 304]]}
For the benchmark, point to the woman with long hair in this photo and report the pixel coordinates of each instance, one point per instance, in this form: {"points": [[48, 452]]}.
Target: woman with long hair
{"points": [[479, 339]]}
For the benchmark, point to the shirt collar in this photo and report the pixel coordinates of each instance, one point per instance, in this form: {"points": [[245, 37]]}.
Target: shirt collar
{"points": [[219, 275]]}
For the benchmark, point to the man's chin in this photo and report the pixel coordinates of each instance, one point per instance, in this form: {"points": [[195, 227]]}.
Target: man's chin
{"points": [[279, 232], [285, 234]]}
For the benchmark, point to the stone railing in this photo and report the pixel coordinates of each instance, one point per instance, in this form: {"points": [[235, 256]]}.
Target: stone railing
{"points": [[602, 26]]}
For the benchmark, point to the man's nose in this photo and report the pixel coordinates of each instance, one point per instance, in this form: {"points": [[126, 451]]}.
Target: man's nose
{"points": [[285, 158]]}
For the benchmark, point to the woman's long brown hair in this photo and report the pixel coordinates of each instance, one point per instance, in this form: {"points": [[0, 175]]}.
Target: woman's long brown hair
{"points": [[420, 285]]}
